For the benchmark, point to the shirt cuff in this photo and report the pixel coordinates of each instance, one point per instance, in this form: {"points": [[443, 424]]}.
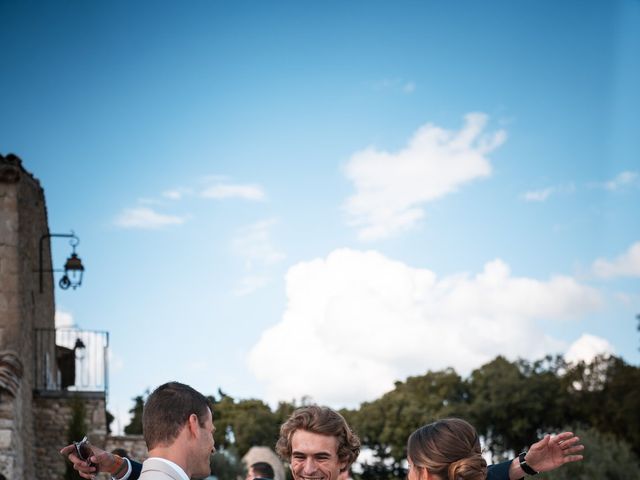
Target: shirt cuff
{"points": [[126, 475]]}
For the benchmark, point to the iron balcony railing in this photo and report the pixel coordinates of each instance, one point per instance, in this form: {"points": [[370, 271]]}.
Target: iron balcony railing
{"points": [[71, 359]]}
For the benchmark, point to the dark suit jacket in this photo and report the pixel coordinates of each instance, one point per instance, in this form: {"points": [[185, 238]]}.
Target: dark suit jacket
{"points": [[136, 468], [499, 471]]}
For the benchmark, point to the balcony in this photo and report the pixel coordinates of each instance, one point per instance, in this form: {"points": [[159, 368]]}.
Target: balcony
{"points": [[70, 359]]}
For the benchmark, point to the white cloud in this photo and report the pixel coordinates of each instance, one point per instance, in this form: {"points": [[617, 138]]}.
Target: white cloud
{"points": [[172, 194], [586, 348], [357, 321], [392, 187], [537, 195], [222, 190], [250, 284], [146, 218], [621, 180], [395, 85], [254, 244], [64, 319], [625, 265], [176, 193], [544, 193]]}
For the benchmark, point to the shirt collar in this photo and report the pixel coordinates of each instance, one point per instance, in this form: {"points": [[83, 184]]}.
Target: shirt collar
{"points": [[175, 466]]}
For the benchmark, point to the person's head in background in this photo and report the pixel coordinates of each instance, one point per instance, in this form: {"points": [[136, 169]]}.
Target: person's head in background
{"points": [[447, 449], [260, 470], [120, 451]]}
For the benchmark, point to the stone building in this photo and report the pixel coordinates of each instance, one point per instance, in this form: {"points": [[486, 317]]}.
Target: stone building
{"points": [[40, 395], [265, 454]]}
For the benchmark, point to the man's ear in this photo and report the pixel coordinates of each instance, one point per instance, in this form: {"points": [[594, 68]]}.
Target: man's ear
{"points": [[194, 425]]}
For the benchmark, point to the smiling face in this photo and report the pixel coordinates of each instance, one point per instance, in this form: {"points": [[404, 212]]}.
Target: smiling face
{"points": [[315, 456]]}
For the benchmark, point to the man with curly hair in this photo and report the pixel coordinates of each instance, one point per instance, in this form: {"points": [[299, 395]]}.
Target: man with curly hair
{"points": [[319, 444]]}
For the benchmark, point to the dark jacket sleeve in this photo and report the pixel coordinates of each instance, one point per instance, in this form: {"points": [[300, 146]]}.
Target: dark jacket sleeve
{"points": [[136, 468], [499, 471]]}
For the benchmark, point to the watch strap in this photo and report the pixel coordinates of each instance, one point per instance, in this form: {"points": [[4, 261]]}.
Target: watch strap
{"points": [[526, 468]]}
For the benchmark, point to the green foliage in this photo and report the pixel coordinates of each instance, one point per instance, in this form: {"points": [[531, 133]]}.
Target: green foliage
{"points": [[242, 424], [605, 394], [512, 403], [77, 429], [606, 458], [226, 465], [110, 418], [135, 426], [385, 424]]}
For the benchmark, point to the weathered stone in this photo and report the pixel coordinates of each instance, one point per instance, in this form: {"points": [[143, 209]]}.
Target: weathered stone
{"points": [[133, 444], [23, 219], [5, 438]]}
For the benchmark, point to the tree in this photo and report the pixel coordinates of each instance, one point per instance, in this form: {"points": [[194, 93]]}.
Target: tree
{"points": [[253, 423], [110, 419], [226, 465], [606, 458], [242, 424], [513, 403], [385, 424], [76, 431], [135, 425], [605, 394]]}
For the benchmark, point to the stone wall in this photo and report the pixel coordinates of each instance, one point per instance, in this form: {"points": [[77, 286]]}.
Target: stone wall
{"points": [[23, 220], [133, 444], [53, 413]]}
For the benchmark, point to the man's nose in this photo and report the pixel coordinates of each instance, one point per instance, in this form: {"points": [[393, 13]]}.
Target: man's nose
{"points": [[309, 465]]}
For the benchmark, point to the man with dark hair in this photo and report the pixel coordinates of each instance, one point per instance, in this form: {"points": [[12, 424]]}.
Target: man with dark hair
{"points": [[260, 471], [318, 444], [178, 429]]}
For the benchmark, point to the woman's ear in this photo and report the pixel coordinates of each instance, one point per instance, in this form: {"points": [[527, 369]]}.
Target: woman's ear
{"points": [[423, 473]]}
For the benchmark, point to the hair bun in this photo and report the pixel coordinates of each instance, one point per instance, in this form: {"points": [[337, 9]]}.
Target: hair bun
{"points": [[473, 467]]}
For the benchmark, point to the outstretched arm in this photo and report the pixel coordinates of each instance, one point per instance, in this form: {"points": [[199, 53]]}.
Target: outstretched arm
{"points": [[116, 466], [551, 452]]}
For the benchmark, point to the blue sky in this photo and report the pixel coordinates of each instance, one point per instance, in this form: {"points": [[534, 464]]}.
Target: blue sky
{"points": [[288, 198]]}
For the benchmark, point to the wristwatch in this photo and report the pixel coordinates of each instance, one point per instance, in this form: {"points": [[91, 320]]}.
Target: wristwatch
{"points": [[525, 466]]}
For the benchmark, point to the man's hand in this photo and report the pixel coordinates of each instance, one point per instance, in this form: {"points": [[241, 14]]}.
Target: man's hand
{"points": [[105, 461], [554, 451]]}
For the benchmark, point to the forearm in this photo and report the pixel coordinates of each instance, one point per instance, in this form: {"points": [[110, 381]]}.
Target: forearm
{"points": [[515, 471]]}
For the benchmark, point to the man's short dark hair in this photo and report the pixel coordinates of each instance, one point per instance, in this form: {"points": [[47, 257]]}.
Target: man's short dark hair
{"points": [[262, 470], [167, 410]]}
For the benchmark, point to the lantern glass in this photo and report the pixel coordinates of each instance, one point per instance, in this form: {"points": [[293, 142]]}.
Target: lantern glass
{"points": [[74, 270]]}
